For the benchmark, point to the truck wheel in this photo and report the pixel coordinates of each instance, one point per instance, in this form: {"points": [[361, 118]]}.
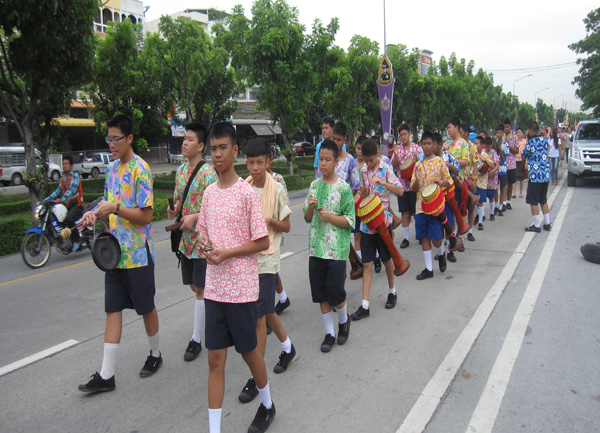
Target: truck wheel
{"points": [[571, 179], [16, 179], [95, 172]]}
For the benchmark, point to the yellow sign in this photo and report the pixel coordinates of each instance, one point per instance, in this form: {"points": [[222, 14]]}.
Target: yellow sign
{"points": [[385, 75]]}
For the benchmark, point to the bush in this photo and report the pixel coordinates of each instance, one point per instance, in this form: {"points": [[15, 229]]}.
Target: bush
{"points": [[12, 230], [88, 185], [295, 182], [283, 170], [160, 209], [11, 198], [164, 184], [15, 207]]}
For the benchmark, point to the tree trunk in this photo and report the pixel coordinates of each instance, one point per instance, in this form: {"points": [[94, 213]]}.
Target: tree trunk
{"points": [[286, 141], [31, 181]]}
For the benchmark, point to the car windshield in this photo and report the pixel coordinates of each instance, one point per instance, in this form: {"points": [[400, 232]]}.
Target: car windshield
{"points": [[589, 131]]}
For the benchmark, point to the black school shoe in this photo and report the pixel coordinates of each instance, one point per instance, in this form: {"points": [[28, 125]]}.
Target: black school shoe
{"points": [[284, 360], [426, 273], [391, 301], [547, 227], [361, 313], [249, 392], [442, 263], [451, 257], [508, 206], [97, 384], [480, 226], [281, 306], [327, 343], [377, 265], [262, 419], [405, 243], [492, 217], [151, 365], [343, 331], [192, 351], [470, 237], [533, 228]]}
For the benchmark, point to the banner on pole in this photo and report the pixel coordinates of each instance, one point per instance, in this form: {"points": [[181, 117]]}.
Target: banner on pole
{"points": [[385, 88]]}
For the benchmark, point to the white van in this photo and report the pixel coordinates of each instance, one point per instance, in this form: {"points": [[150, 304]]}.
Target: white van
{"points": [[13, 167]]}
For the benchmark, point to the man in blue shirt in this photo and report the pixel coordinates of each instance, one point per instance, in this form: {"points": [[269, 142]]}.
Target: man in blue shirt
{"points": [[327, 131], [536, 153]]}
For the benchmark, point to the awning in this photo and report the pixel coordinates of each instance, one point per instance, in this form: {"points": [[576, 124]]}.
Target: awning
{"points": [[276, 129], [75, 122], [262, 130]]}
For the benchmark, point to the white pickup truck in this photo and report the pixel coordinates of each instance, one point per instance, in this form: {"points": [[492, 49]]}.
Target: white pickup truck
{"points": [[94, 164]]}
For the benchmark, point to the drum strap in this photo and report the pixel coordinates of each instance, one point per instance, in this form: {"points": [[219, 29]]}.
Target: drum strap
{"points": [[187, 188]]}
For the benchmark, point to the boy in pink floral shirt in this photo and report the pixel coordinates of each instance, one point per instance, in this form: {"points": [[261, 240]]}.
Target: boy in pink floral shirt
{"points": [[233, 230]]}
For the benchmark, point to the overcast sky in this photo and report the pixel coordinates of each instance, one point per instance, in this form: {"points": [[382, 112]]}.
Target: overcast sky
{"points": [[512, 34]]}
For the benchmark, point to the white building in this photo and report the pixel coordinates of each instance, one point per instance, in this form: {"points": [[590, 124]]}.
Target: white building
{"points": [[118, 11]]}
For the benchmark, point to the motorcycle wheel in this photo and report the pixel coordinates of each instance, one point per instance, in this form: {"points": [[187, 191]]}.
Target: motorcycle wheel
{"points": [[33, 256], [63, 246]]}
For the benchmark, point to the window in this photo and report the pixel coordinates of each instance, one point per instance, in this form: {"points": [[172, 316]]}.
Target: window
{"points": [[589, 131]]}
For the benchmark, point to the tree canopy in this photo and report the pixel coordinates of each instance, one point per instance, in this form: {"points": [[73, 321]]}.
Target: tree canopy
{"points": [[588, 79]]}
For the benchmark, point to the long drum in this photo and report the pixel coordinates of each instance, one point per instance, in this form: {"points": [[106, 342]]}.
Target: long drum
{"points": [[406, 169]]}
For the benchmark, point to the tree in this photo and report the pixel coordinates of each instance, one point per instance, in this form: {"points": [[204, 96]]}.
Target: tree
{"points": [[589, 73], [268, 51], [46, 51], [129, 80]]}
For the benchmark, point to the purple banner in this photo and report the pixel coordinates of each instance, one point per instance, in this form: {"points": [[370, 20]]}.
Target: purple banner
{"points": [[386, 100]]}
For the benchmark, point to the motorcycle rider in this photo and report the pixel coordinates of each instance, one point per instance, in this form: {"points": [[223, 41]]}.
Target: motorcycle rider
{"points": [[70, 194]]}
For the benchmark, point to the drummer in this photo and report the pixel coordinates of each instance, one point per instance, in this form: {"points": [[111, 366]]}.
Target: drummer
{"points": [[406, 203], [482, 178], [376, 178], [429, 228]]}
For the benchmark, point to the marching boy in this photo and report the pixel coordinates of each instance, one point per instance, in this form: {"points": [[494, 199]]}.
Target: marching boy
{"points": [[329, 208], [377, 178], [232, 231], [274, 203], [482, 179], [128, 207]]}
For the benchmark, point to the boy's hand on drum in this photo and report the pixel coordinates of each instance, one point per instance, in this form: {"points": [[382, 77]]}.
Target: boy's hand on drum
{"points": [[362, 191]]}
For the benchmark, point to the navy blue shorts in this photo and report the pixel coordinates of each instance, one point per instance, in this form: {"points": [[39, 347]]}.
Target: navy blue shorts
{"points": [[193, 271], [428, 226], [503, 180], [482, 194], [537, 193], [230, 325], [449, 214], [356, 228], [491, 194], [266, 296], [327, 280], [407, 202], [370, 244], [511, 176], [130, 288]]}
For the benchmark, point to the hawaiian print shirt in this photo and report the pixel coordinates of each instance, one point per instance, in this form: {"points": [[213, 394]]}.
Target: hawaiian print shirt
{"points": [[205, 176], [386, 173], [130, 185], [431, 169], [459, 150], [326, 240], [474, 158], [229, 218], [504, 150], [402, 155], [538, 163], [482, 179], [511, 159], [346, 170], [493, 178], [447, 157], [279, 179]]}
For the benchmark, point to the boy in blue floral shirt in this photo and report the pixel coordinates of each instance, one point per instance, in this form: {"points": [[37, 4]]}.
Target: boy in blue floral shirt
{"points": [[536, 153]]}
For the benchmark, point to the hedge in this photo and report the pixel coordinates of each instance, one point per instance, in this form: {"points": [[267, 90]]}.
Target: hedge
{"points": [[296, 182], [88, 185], [164, 184], [12, 231], [15, 207]]}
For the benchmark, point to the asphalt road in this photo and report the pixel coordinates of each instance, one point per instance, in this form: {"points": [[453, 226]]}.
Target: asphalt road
{"points": [[450, 357]]}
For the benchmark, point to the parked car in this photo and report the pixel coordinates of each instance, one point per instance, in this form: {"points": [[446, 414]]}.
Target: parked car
{"points": [[303, 148], [13, 167], [584, 158], [95, 164]]}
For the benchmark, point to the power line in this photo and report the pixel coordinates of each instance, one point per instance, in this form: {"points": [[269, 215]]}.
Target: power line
{"points": [[536, 69]]}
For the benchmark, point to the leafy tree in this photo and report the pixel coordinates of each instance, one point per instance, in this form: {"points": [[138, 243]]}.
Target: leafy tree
{"points": [[128, 79], [268, 51], [588, 79], [46, 52]]}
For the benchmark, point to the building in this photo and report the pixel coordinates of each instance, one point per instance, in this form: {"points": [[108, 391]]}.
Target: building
{"points": [[118, 11], [425, 62]]}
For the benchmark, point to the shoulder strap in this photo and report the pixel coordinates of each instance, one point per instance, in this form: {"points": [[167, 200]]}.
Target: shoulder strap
{"points": [[187, 188]]}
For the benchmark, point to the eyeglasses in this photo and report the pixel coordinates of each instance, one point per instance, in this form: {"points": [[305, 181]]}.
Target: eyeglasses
{"points": [[404, 134], [113, 140]]}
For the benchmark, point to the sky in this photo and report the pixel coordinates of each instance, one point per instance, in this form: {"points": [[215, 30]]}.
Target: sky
{"points": [[512, 40]]}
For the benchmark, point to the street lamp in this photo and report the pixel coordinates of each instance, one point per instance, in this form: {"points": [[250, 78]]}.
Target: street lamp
{"points": [[553, 100], [519, 79], [535, 95]]}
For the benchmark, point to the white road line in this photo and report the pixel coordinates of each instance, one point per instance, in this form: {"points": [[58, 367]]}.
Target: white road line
{"points": [[286, 255], [434, 392], [37, 356], [489, 403]]}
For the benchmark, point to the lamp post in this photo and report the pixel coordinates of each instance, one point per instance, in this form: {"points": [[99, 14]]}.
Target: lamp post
{"points": [[519, 79], [553, 106], [535, 94]]}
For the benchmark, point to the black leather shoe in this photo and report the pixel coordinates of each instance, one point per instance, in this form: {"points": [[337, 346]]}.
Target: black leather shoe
{"points": [[533, 228], [405, 243], [377, 265]]}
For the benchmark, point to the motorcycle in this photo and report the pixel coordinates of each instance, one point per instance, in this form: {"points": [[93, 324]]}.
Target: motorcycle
{"points": [[37, 243]]}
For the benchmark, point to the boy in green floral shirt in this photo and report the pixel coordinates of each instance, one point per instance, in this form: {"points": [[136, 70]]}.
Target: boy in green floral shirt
{"points": [[329, 243]]}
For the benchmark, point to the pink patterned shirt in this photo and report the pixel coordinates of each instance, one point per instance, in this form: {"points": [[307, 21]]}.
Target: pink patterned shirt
{"points": [[230, 218], [402, 155], [493, 178], [511, 161]]}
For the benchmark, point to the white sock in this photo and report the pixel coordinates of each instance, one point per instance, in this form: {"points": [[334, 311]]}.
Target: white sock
{"points": [[282, 296], [492, 207], [365, 304], [507, 201], [265, 396], [440, 250], [481, 213], [198, 319], [428, 260], [109, 360], [214, 420], [328, 322], [154, 346], [343, 314], [406, 233], [536, 221], [392, 290], [471, 230], [286, 346], [377, 255], [359, 254], [547, 218]]}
